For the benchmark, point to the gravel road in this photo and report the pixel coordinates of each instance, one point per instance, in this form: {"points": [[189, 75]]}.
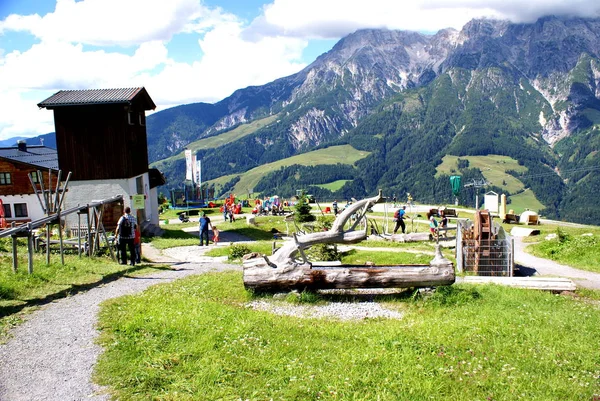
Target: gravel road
{"points": [[51, 356]]}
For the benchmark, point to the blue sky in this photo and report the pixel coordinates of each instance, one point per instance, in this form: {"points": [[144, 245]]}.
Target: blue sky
{"points": [[186, 51]]}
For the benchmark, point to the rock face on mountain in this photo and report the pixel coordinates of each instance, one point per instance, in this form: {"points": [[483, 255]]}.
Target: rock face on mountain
{"points": [[534, 85]]}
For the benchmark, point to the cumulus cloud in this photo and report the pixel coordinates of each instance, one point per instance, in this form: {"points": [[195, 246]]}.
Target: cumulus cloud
{"points": [[109, 22], [336, 18], [63, 60]]}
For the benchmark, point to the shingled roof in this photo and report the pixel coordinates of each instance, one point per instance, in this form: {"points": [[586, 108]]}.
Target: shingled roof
{"points": [[97, 96], [38, 156]]}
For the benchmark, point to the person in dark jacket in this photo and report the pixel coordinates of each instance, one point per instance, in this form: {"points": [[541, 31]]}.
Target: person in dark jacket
{"points": [[126, 227], [203, 225]]}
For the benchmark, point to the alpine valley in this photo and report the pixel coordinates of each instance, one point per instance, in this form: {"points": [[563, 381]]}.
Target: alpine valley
{"points": [[514, 105]]}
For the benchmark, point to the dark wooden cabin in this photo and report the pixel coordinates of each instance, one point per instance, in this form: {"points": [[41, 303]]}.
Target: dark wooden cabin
{"points": [[101, 133]]}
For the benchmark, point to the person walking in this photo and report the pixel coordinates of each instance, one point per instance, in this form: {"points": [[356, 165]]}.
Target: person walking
{"points": [[137, 244], [126, 227], [335, 208], [399, 219], [204, 224]]}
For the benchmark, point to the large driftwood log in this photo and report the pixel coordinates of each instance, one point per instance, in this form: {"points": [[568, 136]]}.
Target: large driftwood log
{"points": [[283, 271]]}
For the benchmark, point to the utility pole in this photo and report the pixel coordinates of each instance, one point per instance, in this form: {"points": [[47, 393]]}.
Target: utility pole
{"points": [[476, 184]]}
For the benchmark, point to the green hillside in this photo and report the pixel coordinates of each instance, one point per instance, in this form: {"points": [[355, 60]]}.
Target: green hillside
{"points": [[493, 168], [344, 154], [333, 186], [222, 139]]}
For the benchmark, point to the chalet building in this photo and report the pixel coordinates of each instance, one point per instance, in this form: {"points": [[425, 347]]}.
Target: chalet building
{"points": [[101, 140], [17, 197]]}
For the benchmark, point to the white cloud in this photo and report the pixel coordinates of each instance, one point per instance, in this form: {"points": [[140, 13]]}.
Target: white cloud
{"points": [[336, 18], [229, 63], [69, 53], [24, 118], [109, 22], [62, 61]]}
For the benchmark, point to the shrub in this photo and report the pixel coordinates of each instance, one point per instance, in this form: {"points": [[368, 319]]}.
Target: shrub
{"points": [[237, 251]]}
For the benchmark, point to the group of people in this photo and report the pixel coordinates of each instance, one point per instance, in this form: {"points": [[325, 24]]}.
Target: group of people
{"points": [[435, 226], [203, 225]]}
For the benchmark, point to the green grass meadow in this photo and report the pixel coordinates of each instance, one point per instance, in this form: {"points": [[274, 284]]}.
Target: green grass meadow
{"points": [[344, 154], [196, 339], [493, 168]]}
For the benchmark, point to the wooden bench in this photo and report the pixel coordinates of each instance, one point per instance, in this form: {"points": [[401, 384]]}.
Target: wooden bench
{"points": [[511, 218], [533, 219], [447, 213], [450, 213]]}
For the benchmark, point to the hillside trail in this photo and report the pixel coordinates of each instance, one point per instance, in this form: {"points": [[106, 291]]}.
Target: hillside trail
{"points": [[51, 356]]}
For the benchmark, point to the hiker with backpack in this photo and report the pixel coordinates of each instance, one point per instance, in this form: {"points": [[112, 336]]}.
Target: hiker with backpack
{"points": [[126, 233], [399, 219]]}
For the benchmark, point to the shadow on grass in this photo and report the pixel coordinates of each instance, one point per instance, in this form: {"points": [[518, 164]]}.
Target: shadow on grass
{"points": [[74, 289]]}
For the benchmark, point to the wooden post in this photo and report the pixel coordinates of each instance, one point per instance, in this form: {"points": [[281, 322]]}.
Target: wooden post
{"points": [[79, 234], [30, 250], [60, 236], [14, 252], [48, 229], [89, 233]]}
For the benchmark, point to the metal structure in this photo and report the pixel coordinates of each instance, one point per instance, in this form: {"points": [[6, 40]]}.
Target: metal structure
{"points": [[94, 231], [483, 248]]}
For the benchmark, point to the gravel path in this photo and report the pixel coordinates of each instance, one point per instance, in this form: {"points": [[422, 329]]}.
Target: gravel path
{"points": [[533, 266], [50, 357]]}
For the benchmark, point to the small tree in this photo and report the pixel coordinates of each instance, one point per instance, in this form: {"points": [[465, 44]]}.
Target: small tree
{"points": [[303, 209]]}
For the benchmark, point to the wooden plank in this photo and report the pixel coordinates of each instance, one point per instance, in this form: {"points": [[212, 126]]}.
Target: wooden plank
{"points": [[539, 283]]}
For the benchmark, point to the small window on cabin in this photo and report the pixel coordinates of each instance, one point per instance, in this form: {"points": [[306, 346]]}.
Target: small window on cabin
{"points": [[20, 209], [130, 118], [34, 177], [5, 179], [142, 118], [7, 211]]}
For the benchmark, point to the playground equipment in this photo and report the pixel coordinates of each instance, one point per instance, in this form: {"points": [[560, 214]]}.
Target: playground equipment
{"points": [[484, 248], [285, 271]]}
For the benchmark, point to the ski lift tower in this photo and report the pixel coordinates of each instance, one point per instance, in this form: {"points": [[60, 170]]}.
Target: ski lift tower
{"points": [[476, 184]]}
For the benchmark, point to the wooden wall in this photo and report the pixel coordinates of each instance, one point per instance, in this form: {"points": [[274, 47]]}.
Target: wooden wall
{"points": [[20, 184], [96, 142]]}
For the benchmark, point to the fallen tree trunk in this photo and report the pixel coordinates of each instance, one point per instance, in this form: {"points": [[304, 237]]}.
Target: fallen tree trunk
{"points": [[259, 275], [347, 277]]}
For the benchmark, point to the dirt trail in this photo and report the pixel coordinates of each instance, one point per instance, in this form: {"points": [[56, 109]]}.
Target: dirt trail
{"points": [[533, 266]]}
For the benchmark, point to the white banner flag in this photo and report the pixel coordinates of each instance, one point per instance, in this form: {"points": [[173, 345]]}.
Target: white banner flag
{"points": [[188, 164], [199, 172]]}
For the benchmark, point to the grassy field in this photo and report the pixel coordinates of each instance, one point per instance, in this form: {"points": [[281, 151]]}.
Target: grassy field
{"points": [[493, 168], [334, 186], [576, 247], [196, 339], [524, 200], [344, 154]]}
